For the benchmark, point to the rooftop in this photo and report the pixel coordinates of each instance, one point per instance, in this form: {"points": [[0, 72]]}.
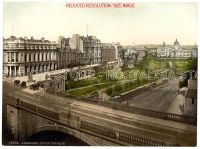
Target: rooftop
{"points": [[191, 93]]}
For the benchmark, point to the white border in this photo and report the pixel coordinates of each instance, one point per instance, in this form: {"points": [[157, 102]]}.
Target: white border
{"points": [[135, 1]]}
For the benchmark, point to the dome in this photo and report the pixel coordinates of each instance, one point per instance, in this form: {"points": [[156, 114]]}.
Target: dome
{"points": [[163, 45], [176, 42]]}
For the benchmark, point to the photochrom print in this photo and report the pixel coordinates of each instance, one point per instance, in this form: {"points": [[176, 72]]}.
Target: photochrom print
{"points": [[99, 73]]}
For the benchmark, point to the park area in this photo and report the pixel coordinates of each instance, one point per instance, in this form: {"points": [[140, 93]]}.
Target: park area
{"points": [[120, 82]]}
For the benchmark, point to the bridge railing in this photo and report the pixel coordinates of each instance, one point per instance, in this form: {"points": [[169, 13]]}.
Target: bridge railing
{"points": [[39, 110], [92, 127], [121, 136], [118, 106]]}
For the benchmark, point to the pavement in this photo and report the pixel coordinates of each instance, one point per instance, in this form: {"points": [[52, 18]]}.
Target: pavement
{"points": [[157, 99], [177, 105]]}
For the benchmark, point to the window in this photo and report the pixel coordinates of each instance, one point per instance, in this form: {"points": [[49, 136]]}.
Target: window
{"points": [[12, 57], [8, 57], [192, 100], [50, 56], [17, 57], [25, 57], [29, 57], [34, 57], [38, 57]]}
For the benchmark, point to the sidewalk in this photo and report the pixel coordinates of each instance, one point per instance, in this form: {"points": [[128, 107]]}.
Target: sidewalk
{"points": [[176, 105]]}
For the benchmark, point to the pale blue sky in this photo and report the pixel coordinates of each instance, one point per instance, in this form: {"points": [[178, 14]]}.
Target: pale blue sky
{"points": [[147, 23]]}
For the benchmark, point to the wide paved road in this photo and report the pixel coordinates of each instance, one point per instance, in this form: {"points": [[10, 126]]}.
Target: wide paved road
{"points": [[157, 99]]}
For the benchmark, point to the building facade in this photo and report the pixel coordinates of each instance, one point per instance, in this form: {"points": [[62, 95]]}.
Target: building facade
{"points": [[90, 46], [190, 102], [70, 52], [107, 53], [23, 56], [62, 42], [68, 58], [175, 51], [130, 57], [76, 43], [91, 50]]}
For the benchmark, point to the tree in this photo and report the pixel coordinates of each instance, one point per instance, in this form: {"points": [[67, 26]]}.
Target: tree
{"points": [[136, 57], [109, 90]]}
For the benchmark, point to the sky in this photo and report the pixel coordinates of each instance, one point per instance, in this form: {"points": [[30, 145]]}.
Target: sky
{"points": [[147, 23]]}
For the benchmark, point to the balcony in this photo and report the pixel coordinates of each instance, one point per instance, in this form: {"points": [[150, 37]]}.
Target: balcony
{"points": [[13, 47]]}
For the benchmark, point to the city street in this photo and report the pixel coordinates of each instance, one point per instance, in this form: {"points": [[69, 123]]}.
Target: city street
{"points": [[157, 99]]}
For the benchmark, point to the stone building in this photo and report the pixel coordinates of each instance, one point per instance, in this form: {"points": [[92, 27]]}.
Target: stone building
{"points": [[63, 42], [118, 48], [152, 51], [130, 57], [165, 51], [194, 52], [68, 58], [23, 55], [175, 51], [70, 52], [107, 53], [181, 52], [76, 43], [190, 102], [91, 50], [89, 47]]}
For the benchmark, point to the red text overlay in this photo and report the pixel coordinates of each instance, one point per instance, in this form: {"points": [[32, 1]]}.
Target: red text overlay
{"points": [[100, 5]]}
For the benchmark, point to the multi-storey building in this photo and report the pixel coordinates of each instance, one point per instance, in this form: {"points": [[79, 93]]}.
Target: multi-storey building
{"points": [[70, 52], [23, 56], [107, 53], [76, 42], [87, 50], [165, 51], [194, 52], [175, 51], [91, 50], [62, 42], [68, 57], [118, 49], [130, 57]]}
